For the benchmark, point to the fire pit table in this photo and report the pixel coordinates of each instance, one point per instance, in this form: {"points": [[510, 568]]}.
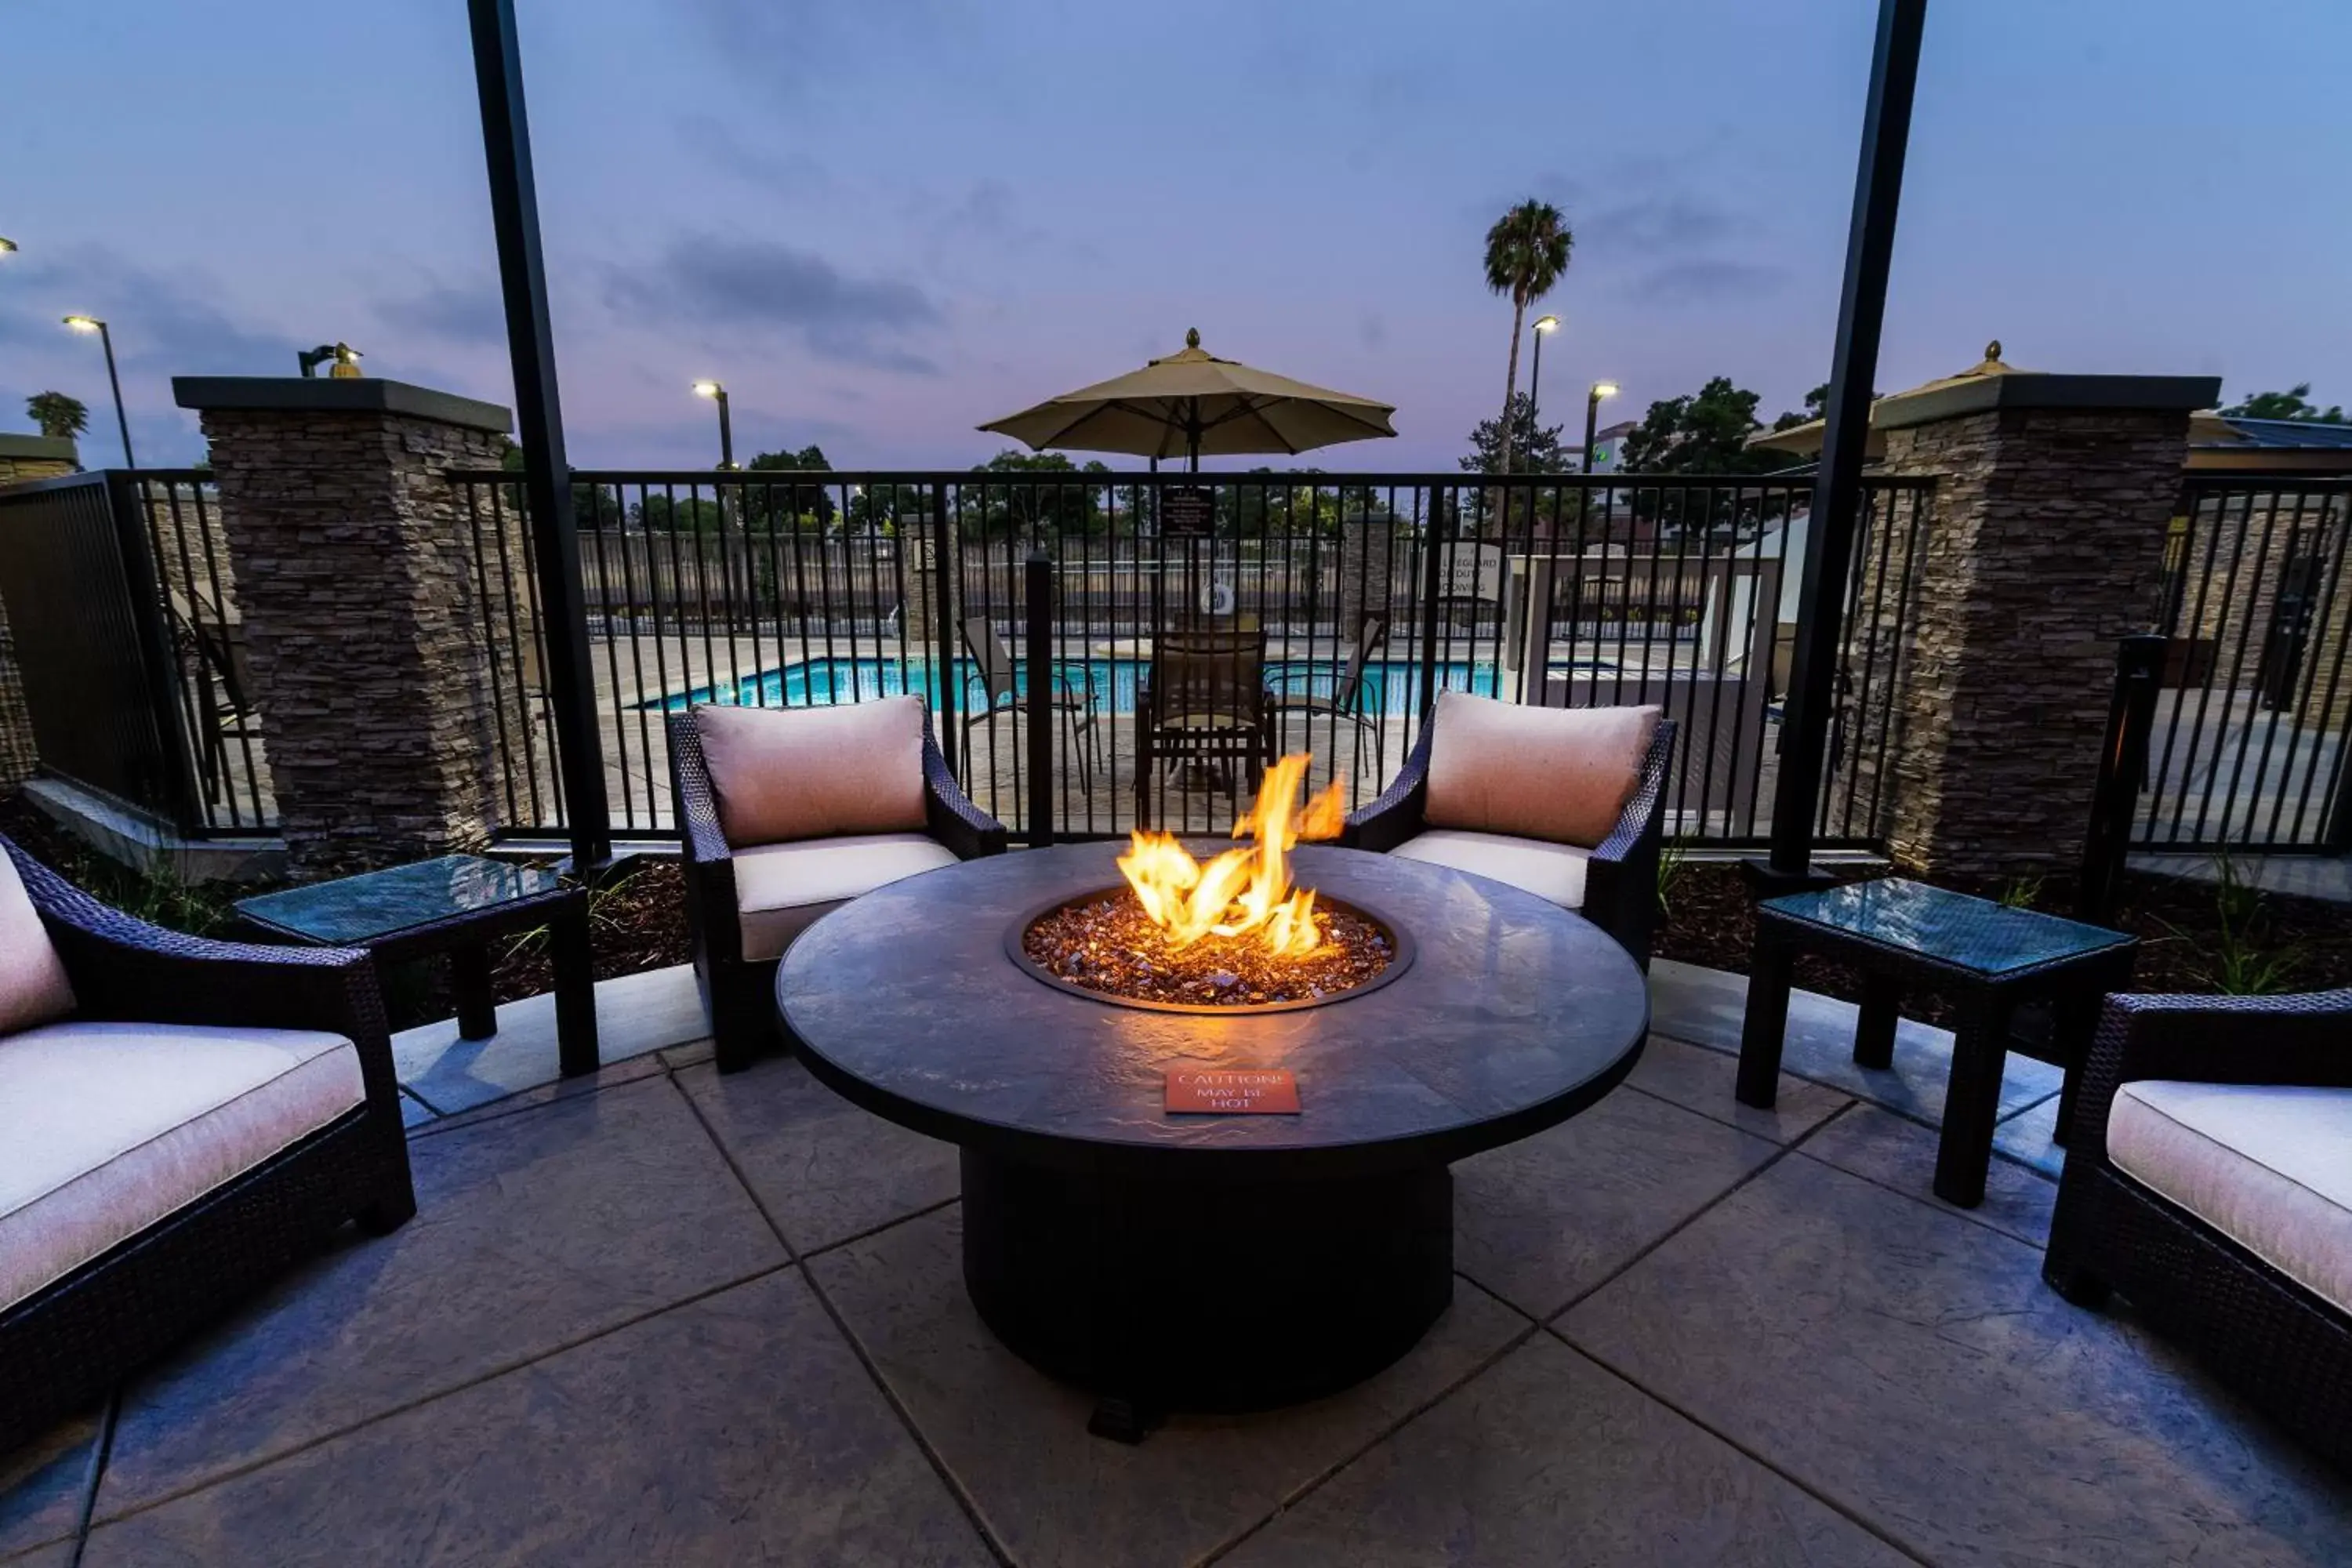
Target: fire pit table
{"points": [[1171, 1261]]}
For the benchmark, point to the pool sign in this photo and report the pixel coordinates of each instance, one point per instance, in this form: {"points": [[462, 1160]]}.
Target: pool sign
{"points": [[1233, 1092], [1187, 513], [1471, 571]]}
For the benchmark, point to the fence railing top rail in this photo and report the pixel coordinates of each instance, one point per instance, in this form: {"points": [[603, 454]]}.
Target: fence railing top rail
{"points": [[1173, 478]]}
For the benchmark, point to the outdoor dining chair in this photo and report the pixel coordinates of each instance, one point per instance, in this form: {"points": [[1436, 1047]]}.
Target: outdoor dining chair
{"points": [[1203, 703], [1349, 699], [1078, 701]]}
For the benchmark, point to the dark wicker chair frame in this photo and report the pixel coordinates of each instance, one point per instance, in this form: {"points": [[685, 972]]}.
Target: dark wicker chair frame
{"points": [[63, 1348], [2282, 1347], [1621, 880], [740, 993]]}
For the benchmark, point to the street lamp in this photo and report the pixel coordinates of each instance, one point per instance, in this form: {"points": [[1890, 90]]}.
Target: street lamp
{"points": [[7, 246], [1600, 389], [1544, 326], [718, 395], [93, 324]]}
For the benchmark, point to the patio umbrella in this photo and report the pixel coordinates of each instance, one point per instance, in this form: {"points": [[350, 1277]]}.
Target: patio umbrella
{"points": [[1194, 403]]}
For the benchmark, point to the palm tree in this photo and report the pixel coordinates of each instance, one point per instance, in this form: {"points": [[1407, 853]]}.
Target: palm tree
{"points": [[60, 417], [1527, 250]]}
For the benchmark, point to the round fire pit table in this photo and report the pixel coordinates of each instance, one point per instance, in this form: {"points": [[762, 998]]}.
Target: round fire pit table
{"points": [[1174, 1261]]}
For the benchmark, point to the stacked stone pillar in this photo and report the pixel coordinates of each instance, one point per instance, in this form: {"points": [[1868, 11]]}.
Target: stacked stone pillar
{"points": [[1367, 564], [22, 458], [2043, 544], [364, 608]]}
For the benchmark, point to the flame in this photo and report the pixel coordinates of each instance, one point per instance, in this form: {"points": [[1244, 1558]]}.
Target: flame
{"points": [[1242, 890]]}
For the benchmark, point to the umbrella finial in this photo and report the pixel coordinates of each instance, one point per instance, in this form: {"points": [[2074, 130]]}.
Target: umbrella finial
{"points": [[1992, 349], [1192, 337]]}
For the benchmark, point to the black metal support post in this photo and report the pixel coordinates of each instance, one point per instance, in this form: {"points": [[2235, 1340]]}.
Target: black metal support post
{"points": [[945, 630], [1432, 577], [2123, 767], [1535, 381], [546, 476], [725, 433], [1837, 491], [122, 421], [1038, 578], [1591, 424]]}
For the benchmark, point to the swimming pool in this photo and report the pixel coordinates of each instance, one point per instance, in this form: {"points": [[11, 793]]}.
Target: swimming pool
{"points": [[819, 681]]}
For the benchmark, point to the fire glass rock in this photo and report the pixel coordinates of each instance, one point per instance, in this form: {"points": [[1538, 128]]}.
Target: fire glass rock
{"points": [[1110, 945]]}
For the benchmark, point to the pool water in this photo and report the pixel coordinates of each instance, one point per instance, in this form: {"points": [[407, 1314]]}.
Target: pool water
{"points": [[819, 681]]}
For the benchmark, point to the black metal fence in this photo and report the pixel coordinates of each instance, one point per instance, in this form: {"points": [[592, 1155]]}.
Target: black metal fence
{"points": [[1339, 603], [2249, 744], [129, 649]]}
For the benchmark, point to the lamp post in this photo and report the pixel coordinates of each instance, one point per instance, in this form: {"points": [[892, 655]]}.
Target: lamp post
{"points": [[7, 246], [1544, 326], [1600, 389], [93, 324], [718, 395]]}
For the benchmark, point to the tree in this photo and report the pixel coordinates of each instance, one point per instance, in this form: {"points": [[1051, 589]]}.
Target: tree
{"points": [[1702, 433], [1817, 403], [2292, 404], [1525, 448], [792, 507], [61, 418], [1527, 251], [1005, 509]]}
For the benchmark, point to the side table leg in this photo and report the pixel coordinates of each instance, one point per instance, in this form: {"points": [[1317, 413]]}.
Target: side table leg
{"points": [[1874, 1034], [1762, 1033], [2073, 1019], [469, 987], [575, 990], [1972, 1100]]}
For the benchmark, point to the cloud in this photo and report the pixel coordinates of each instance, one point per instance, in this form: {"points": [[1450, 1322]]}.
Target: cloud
{"points": [[1655, 225], [160, 321], [736, 283], [716, 145], [1372, 330], [1703, 282], [456, 312]]}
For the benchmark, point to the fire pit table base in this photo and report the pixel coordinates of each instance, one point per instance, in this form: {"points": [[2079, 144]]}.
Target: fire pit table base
{"points": [[1216, 1296]]}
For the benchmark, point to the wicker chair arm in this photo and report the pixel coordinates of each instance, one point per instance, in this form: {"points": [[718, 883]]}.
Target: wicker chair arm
{"points": [[1396, 815], [950, 815], [1621, 876], [124, 969], [2304, 1038], [705, 860]]}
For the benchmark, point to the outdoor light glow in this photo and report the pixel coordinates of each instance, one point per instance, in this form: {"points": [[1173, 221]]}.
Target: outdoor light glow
{"points": [[706, 389], [7, 244], [83, 323], [1547, 323], [1604, 389]]}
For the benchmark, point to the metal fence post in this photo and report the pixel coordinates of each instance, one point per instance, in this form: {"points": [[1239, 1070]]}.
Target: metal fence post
{"points": [[947, 562], [2123, 763], [1432, 580], [1038, 575]]}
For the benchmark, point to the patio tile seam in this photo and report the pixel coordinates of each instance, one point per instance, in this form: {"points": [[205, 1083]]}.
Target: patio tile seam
{"points": [[101, 1449], [873, 1230], [1779, 1153], [261, 1462], [931, 1455], [1298, 1493], [499, 1110], [1726, 1121], [1851, 1515], [1912, 1196]]}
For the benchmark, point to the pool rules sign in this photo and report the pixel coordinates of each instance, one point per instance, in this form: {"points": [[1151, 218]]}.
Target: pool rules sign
{"points": [[1233, 1092]]}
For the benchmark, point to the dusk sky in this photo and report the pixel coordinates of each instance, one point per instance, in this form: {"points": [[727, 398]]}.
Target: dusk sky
{"points": [[880, 224]]}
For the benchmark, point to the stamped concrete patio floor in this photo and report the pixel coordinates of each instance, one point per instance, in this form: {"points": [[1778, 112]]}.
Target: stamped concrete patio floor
{"points": [[663, 1316]]}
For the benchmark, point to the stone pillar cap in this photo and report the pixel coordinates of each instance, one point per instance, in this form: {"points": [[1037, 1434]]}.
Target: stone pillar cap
{"points": [[302, 395], [39, 448]]}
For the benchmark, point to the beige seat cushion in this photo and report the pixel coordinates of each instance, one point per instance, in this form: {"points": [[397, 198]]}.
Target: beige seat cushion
{"points": [[33, 984], [2268, 1166], [782, 774], [107, 1128], [1562, 774], [1554, 871], [782, 889]]}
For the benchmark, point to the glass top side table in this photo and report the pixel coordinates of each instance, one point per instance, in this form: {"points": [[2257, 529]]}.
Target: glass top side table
{"points": [[1988, 957], [452, 906]]}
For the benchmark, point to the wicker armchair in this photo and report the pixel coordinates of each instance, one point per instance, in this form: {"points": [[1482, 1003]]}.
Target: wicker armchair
{"points": [[2281, 1343], [1619, 891], [738, 989], [63, 1346]]}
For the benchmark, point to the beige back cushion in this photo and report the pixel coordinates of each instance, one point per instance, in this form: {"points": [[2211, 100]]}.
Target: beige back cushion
{"points": [[1557, 774], [782, 774], [33, 984]]}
